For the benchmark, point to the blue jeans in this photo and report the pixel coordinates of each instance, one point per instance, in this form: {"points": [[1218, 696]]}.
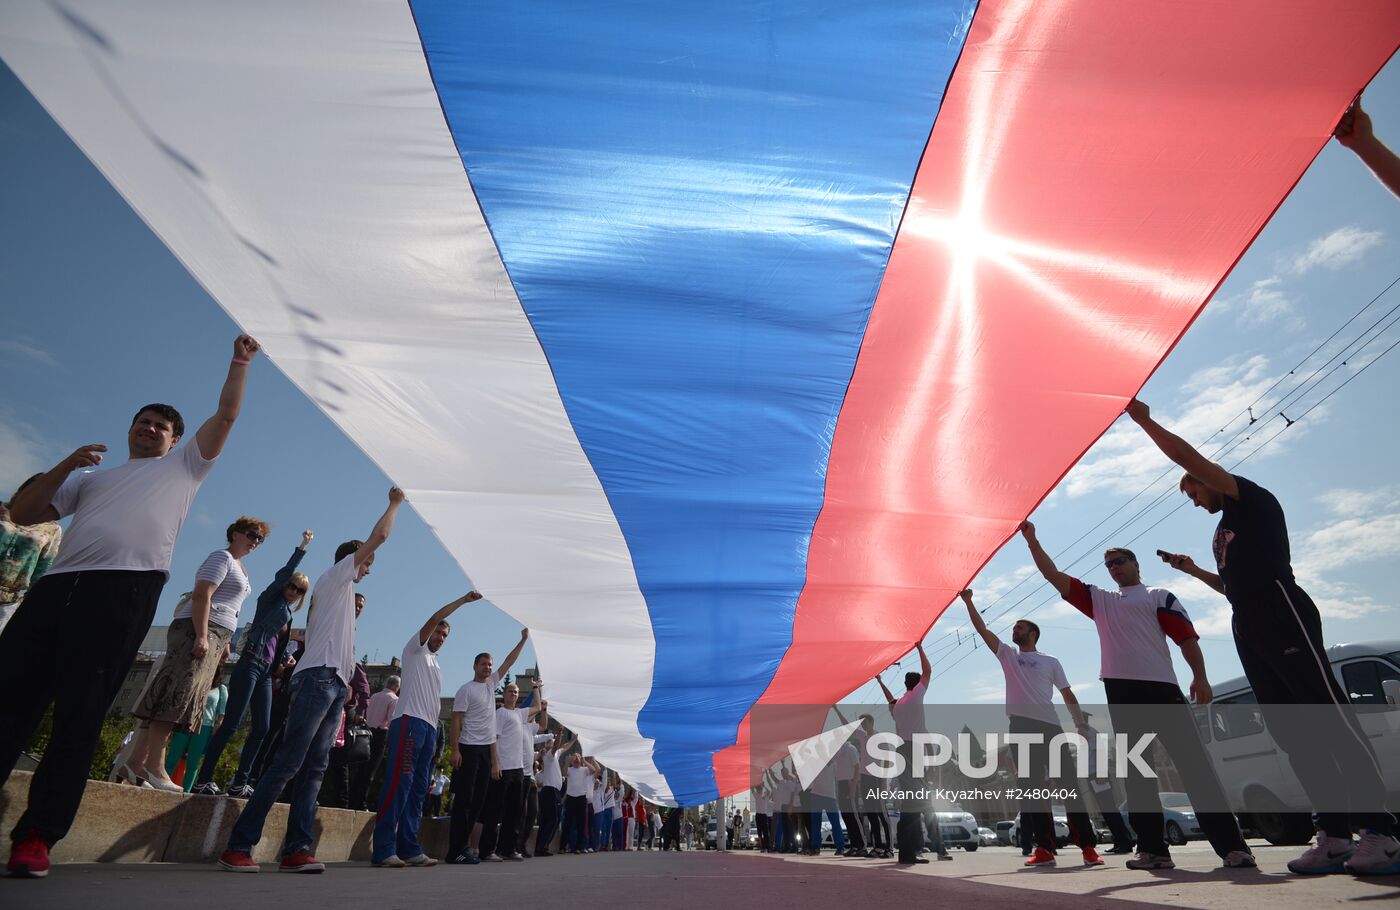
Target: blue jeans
{"points": [[313, 720], [250, 683], [820, 804], [412, 748], [602, 825]]}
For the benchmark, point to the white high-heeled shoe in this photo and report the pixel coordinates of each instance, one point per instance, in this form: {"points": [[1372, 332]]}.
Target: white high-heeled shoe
{"points": [[127, 776], [159, 783]]}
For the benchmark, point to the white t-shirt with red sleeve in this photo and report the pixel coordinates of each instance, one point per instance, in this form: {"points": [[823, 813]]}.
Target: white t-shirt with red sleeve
{"points": [[1134, 624]]}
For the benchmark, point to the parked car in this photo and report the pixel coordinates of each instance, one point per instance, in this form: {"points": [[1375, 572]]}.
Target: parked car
{"points": [[1061, 828], [1178, 819], [1003, 831], [751, 839], [986, 837], [712, 835], [959, 829], [1257, 775]]}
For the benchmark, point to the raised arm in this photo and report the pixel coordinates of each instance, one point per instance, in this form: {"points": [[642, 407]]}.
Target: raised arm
{"points": [[382, 528], [889, 696], [34, 504], [214, 433], [510, 658], [1354, 131], [1058, 580], [280, 579], [1183, 453], [925, 668], [443, 613], [1184, 563], [992, 641]]}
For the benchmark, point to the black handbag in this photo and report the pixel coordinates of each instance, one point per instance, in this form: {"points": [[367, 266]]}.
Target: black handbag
{"points": [[356, 744]]}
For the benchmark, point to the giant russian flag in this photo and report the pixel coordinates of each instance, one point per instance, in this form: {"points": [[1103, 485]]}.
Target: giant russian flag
{"points": [[720, 342]]}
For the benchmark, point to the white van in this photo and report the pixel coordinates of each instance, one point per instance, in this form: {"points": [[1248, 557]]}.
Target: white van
{"points": [[1257, 774]]}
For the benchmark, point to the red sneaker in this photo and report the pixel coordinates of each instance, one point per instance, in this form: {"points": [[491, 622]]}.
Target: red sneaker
{"points": [[301, 861], [29, 858], [1091, 857], [1041, 857], [237, 861]]}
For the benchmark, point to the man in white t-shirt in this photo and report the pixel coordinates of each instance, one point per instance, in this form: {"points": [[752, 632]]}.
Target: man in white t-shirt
{"points": [[1031, 680], [551, 784], [909, 720], [412, 742], [500, 817], [318, 689], [578, 787], [532, 736], [97, 599], [474, 748], [1134, 622]]}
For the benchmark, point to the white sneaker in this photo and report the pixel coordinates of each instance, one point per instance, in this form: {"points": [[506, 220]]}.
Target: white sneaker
{"points": [[1376, 854], [421, 859], [1145, 860], [390, 862], [1326, 856]]}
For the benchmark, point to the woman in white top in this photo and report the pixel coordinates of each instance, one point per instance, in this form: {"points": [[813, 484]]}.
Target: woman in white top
{"points": [[197, 643]]}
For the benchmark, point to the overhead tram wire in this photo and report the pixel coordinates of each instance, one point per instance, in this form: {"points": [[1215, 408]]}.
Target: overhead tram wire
{"points": [[1394, 344], [1229, 445], [1224, 448]]}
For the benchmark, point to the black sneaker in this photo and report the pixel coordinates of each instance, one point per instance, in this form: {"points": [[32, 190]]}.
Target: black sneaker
{"points": [[465, 858], [242, 791], [208, 788]]}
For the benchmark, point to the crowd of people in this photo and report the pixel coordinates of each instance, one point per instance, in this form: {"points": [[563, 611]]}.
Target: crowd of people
{"points": [[96, 587]]}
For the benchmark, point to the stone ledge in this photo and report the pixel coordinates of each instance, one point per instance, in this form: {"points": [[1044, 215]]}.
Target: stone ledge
{"points": [[117, 823]]}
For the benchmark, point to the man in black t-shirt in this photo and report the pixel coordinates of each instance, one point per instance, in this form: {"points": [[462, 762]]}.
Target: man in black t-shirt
{"points": [[1278, 634]]}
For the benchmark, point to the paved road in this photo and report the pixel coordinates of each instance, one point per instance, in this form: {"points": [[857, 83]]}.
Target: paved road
{"points": [[705, 880]]}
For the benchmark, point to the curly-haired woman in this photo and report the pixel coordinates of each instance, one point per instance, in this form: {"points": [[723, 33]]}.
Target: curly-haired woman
{"points": [[196, 645], [251, 682]]}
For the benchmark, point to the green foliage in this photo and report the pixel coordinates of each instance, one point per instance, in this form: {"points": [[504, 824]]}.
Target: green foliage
{"points": [[109, 743]]}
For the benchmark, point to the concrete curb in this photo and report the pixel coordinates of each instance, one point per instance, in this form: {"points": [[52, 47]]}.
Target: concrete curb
{"points": [[117, 823]]}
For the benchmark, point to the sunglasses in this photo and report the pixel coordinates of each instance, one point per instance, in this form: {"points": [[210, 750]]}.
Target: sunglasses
{"points": [[1116, 561], [297, 588]]}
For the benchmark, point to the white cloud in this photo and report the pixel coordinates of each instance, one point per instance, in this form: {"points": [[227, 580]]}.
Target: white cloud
{"points": [[1350, 503], [1265, 303], [23, 348], [1367, 530], [1125, 461], [20, 455], [986, 688], [1338, 249]]}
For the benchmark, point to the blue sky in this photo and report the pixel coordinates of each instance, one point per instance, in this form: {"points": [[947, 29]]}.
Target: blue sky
{"points": [[102, 318]]}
